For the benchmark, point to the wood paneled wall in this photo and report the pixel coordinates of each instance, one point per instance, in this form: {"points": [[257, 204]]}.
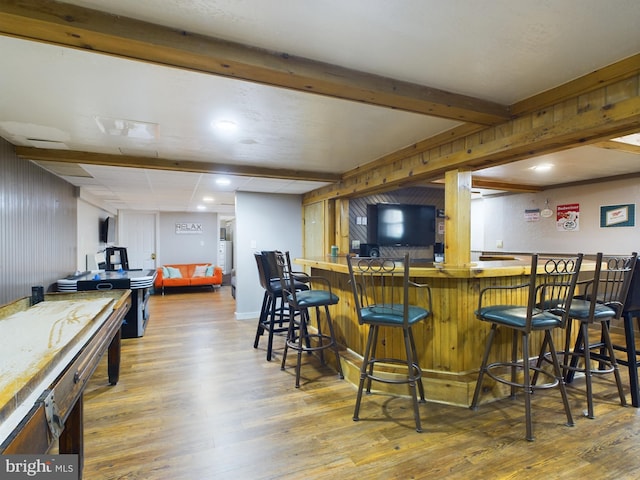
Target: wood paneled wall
{"points": [[38, 224], [413, 195], [450, 343]]}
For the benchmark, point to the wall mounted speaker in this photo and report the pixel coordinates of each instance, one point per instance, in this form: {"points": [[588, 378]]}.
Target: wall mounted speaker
{"points": [[369, 250]]}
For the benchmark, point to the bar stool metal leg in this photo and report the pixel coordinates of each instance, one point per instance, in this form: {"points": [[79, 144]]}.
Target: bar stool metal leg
{"points": [[411, 375], [632, 358]]}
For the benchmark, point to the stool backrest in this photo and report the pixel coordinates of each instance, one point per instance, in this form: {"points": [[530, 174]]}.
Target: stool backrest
{"points": [[632, 303], [611, 285], [270, 268], [270, 263], [552, 283], [383, 283], [262, 275], [293, 282]]}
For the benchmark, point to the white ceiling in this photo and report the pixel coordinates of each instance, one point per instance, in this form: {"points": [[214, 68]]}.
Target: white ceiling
{"points": [[498, 50]]}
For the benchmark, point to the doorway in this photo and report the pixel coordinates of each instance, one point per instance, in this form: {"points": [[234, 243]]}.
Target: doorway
{"points": [[137, 232]]}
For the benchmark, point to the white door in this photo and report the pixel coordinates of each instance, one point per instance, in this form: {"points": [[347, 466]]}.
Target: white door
{"points": [[137, 232]]}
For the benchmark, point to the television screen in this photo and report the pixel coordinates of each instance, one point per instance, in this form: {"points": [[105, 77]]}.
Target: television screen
{"points": [[108, 230], [401, 225]]}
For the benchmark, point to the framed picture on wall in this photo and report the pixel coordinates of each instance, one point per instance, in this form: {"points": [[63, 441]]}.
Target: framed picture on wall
{"points": [[617, 215]]}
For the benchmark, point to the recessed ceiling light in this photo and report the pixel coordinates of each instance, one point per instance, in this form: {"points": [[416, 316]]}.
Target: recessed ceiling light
{"points": [[222, 181], [543, 167], [226, 126], [201, 207], [207, 199]]}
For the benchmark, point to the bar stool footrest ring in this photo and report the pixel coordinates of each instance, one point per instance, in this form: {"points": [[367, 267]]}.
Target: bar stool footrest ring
{"points": [[325, 341], [538, 386], [417, 371]]}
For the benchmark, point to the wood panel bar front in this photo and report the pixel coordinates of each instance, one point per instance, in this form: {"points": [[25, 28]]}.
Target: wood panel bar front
{"points": [[451, 342]]}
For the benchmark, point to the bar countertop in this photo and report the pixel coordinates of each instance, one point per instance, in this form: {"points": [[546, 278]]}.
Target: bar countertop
{"points": [[423, 268]]}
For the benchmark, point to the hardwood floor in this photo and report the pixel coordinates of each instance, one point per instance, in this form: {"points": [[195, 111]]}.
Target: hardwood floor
{"points": [[196, 401]]}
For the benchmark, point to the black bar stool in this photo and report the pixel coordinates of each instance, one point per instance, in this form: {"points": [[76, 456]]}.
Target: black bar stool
{"points": [[629, 305], [601, 301], [540, 304], [381, 291], [299, 301], [274, 314], [631, 310]]}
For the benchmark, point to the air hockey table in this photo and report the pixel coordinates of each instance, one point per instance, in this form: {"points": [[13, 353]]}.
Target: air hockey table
{"points": [[48, 352], [140, 282]]}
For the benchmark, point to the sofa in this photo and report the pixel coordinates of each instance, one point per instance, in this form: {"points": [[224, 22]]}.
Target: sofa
{"points": [[188, 275]]}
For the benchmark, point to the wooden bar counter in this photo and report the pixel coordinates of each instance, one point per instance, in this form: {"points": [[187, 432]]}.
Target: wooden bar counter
{"points": [[451, 342]]}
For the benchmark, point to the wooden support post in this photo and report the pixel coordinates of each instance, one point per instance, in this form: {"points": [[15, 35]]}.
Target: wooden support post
{"points": [[331, 225], [457, 222], [342, 225]]}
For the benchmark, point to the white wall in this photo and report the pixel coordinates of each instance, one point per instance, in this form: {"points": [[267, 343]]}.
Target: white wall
{"points": [[263, 222], [188, 248], [503, 219], [89, 218]]}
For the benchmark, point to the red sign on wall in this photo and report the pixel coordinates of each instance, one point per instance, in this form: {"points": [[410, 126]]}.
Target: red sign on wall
{"points": [[568, 217]]}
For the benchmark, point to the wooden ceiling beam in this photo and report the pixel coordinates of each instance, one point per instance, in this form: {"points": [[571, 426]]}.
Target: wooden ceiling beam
{"points": [[603, 77], [626, 68], [455, 133], [77, 27], [568, 124], [478, 182], [623, 147], [130, 161]]}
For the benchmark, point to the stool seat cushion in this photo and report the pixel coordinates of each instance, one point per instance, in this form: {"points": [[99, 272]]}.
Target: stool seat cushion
{"points": [[315, 298], [580, 310], [516, 316], [392, 314]]}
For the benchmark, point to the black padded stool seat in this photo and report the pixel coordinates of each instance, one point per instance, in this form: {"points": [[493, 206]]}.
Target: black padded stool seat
{"points": [[299, 302], [381, 288]]}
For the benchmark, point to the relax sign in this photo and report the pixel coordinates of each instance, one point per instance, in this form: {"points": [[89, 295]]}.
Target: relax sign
{"points": [[182, 228]]}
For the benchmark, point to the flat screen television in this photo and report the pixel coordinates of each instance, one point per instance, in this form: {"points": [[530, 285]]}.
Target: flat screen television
{"points": [[401, 225], [108, 230]]}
